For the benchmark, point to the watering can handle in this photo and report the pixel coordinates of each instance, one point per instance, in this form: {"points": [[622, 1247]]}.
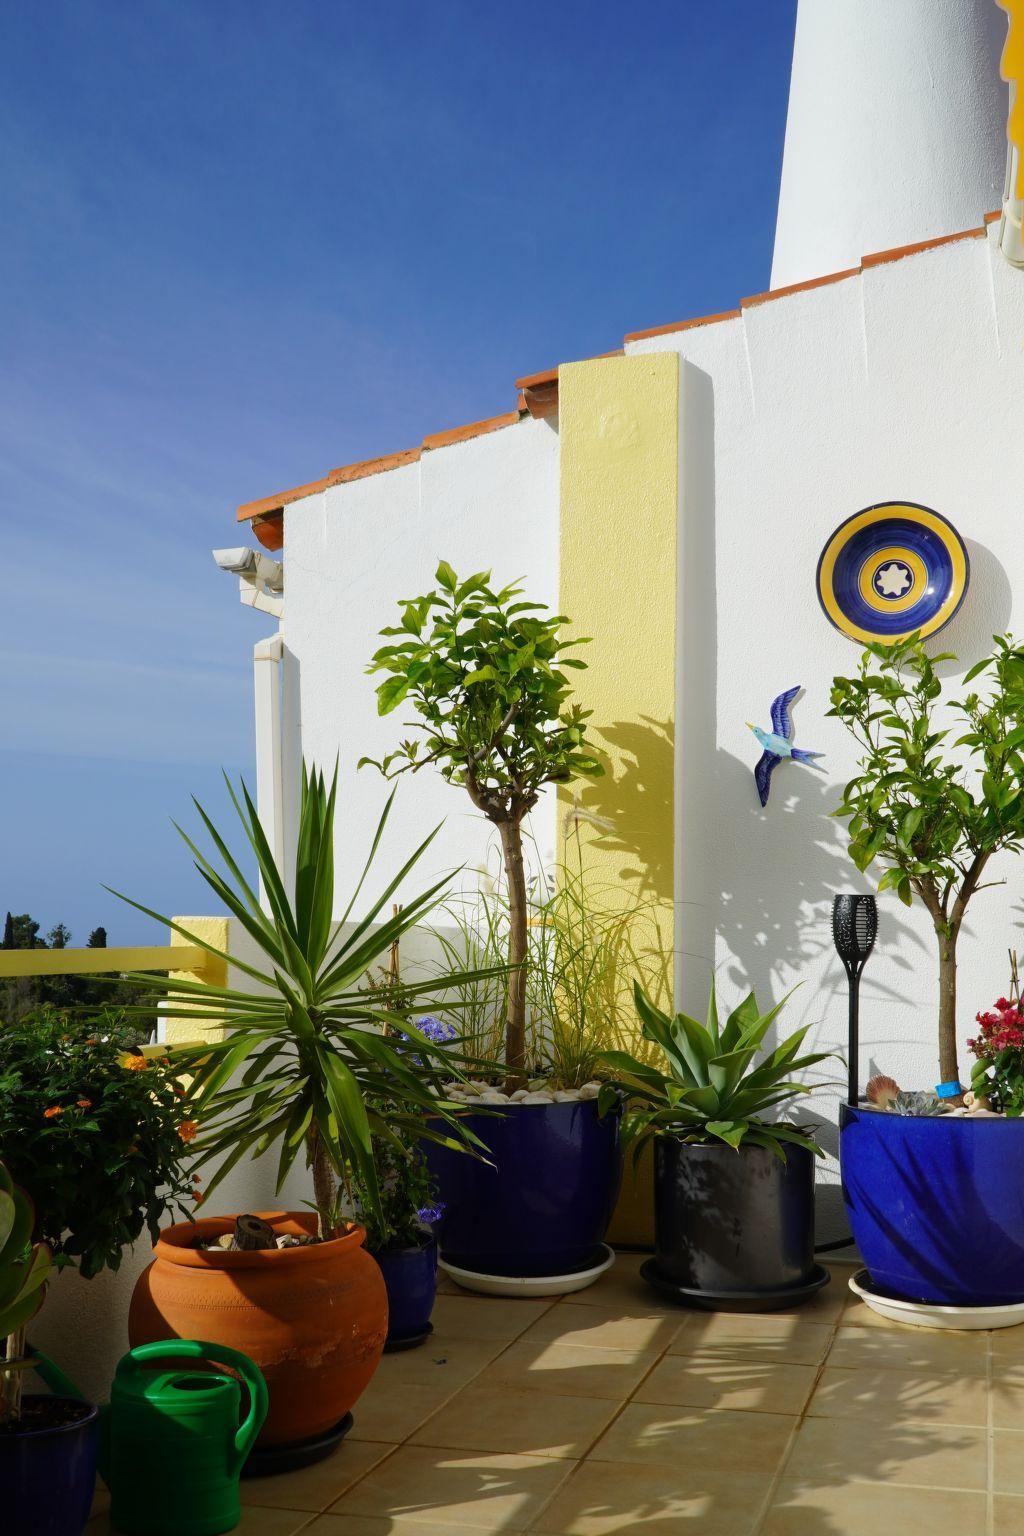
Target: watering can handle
{"points": [[219, 1354]]}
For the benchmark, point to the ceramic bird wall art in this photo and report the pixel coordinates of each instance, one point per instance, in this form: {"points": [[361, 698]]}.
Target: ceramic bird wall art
{"points": [[777, 744]]}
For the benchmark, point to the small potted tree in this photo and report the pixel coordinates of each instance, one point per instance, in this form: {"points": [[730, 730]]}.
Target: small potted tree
{"points": [[485, 672], [304, 1065], [733, 1184], [934, 1200]]}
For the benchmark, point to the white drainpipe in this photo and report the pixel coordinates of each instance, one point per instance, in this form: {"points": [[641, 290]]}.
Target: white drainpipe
{"points": [[277, 751], [1011, 226]]}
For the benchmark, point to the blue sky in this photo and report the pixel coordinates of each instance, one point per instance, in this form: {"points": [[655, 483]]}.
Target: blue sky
{"points": [[246, 242]]}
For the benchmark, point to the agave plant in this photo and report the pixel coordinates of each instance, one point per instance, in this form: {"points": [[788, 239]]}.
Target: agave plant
{"points": [[312, 1056], [24, 1270], [716, 1088]]}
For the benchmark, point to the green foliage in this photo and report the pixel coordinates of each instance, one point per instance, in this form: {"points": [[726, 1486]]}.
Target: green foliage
{"points": [[408, 1193], [91, 1126], [305, 1061], [936, 795], [24, 1265], [928, 816], [715, 1087], [485, 673]]}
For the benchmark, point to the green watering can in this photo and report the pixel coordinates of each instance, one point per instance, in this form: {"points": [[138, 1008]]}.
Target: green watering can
{"points": [[171, 1449]]}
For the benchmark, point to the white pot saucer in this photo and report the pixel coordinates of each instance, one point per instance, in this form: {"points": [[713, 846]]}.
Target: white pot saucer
{"points": [[932, 1314], [530, 1285]]}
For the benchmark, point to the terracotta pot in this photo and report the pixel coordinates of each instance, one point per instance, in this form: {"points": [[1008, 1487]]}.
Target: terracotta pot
{"points": [[314, 1319]]}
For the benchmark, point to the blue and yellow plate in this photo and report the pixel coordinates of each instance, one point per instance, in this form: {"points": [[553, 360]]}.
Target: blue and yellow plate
{"points": [[893, 569]]}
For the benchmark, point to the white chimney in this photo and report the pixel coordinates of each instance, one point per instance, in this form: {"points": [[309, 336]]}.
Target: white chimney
{"points": [[896, 129]]}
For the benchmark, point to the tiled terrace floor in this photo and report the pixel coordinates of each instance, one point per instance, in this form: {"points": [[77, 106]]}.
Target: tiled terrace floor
{"points": [[609, 1412]]}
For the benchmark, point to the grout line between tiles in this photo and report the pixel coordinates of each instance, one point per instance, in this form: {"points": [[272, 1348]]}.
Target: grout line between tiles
{"points": [[787, 1450], [990, 1439]]}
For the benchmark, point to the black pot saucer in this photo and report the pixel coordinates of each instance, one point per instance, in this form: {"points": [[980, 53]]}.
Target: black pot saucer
{"points": [[272, 1459], [402, 1341], [734, 1301]]}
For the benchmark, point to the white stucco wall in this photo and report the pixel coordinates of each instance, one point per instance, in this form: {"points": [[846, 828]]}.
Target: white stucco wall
{"points": [[490, 503], [904, 383], [896, 130]]}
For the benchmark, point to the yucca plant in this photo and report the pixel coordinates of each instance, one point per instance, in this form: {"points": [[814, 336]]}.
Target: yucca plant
{"points": [[306, 1060], [716, 1088], [24, 1270]]}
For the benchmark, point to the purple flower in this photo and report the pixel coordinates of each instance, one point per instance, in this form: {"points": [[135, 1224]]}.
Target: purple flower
{"points": [[436, 1029], [431, 1213]]}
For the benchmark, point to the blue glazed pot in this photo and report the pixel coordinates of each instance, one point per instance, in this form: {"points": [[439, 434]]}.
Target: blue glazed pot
{"points": [[936, 1204], [544, 1205], [47, 1476], [410, 1275]]}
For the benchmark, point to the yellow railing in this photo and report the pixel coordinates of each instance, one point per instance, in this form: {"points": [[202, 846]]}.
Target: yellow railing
{"points": [[92, 962]]}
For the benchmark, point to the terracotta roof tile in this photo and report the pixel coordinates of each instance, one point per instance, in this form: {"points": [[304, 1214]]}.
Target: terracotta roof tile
{"points": [[811, 282], [538, 392], [474, 429], [879, 258], [683, 325], [360, 471]]}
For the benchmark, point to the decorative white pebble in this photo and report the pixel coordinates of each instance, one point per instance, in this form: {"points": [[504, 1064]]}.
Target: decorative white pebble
{"points": [[538, 1098], [568, 1096], [519, 1095], [590, 1090]]}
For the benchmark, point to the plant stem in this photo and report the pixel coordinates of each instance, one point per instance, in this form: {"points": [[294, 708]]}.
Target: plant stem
{"points": [[949, 1070], [515, 1018], [325, 1184], [11, 1381]]}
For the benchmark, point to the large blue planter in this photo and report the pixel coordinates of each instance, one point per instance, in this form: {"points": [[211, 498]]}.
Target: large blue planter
{"points": [[936, 1204], [544, 1206], [47, 1477], [410, 1275]]}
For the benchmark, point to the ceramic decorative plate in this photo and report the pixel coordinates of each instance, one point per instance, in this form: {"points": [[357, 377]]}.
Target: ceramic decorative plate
{"points": [[893, 569]]}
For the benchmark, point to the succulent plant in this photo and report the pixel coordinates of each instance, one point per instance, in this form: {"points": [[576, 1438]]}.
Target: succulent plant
{"points": [[916, 1103]]}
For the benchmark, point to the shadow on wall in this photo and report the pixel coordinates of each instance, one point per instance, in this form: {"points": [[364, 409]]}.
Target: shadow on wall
{"points": [[986, 611], [635, 796]]}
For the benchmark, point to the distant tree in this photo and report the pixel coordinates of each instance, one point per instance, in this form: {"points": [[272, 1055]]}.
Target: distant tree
{"points": [[97, 939], [8, 941], [23, 994], [59, 936]]}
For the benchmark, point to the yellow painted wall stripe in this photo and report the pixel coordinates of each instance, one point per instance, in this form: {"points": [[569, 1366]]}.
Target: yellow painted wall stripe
{"points": [[619, 431]]}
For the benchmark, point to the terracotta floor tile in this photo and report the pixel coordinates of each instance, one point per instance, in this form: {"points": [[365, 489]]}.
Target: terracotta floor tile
{"points": [[617, 1498], [505, 1419], [385, 1525], [313, 1488], [441, 1358], [752, 1336], [691, 1439], [1008, 1343], [1009, 1463], [832, 1452], [483, 1317], [707, 1381], [391, 1414], [881, 1396], [1007, 1394], [456, 1488], [254, 1522], [911, 1349], [572, 1323], [570, 1369], [1008, 1516], [622, 1287], [852, 1509]]}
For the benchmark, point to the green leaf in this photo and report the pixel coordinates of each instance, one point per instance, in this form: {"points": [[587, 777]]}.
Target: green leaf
{"points": [[446, 577]]}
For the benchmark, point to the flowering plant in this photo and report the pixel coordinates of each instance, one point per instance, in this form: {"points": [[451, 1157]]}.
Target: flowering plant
{"points": [[97, 1129], [998, 1073]]}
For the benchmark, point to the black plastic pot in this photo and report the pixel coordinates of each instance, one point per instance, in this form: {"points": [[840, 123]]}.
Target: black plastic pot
{"points": [[733, 1221]]}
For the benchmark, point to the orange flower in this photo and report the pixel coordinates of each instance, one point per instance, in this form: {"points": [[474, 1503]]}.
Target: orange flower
{"points": [[198, 1197], [130, 1150], [134, 1063], [187, 1130], [84, 1103], [54, 1109], [92, 1040], [196, 1179]]}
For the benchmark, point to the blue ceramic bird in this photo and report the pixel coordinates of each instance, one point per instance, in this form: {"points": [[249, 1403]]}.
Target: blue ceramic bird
{"points": [[777, 744]]}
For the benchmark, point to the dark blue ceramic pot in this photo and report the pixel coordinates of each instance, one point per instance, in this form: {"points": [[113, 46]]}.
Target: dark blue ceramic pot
{"points": [[936, 1204], [47, 1476], [543, 1205], [410, 1275]]}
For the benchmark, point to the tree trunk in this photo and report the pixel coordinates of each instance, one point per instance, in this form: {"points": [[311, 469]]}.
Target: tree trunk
{"points": [[325, 1184], [515, 1018], [949, 1070]]}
